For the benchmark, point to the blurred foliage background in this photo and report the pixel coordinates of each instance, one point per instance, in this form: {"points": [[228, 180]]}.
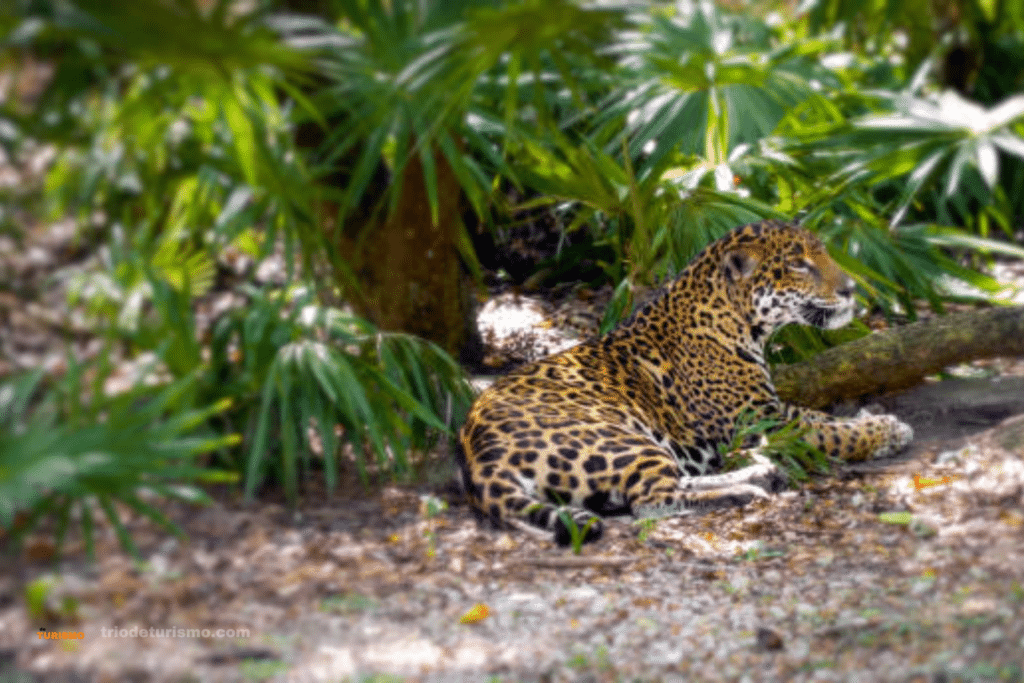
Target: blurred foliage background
{"points": [[374, 147]]}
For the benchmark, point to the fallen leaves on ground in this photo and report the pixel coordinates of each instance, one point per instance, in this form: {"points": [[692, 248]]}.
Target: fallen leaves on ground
{"points": [[811, 581]]}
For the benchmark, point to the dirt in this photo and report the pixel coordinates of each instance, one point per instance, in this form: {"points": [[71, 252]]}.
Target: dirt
{"points": [[901, 570]]}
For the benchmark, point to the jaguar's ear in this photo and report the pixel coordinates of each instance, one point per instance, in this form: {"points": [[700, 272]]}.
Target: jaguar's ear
{"points": [[738, 264]]}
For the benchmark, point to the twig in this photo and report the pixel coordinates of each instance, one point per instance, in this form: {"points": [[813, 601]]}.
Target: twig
{"points": [[576, 562]]}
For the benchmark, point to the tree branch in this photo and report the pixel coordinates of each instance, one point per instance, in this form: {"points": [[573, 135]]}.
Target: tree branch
{"points": [[901, 357]]}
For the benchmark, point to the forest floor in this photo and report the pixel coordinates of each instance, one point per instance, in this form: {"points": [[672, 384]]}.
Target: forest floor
{"points": [[908, 569]]}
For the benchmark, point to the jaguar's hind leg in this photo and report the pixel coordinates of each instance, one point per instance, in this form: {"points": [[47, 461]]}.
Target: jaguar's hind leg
{"points": [[763, 473], [661, 492]]}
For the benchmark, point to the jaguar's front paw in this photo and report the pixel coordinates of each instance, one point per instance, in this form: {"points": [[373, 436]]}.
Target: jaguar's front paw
{"points": [[738, 495], [765, 474], [898, 435]]}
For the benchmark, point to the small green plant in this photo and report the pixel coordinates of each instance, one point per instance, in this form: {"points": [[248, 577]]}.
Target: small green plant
{"points": [[576, 533], [599, 661], [347, 603], [646, 525], [433, 506], [430, 508], [868, 638], [578, 661], [381, 678], [903, 518], [759, 552], [782, 443], [647, 623], [817, 664], [749, 430], [37, 596], [919, 526], [730, 588], [45, 604], [262, 669]]}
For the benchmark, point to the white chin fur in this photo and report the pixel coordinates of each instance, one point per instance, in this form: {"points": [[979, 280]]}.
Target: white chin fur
{"points": [[841, 317]]}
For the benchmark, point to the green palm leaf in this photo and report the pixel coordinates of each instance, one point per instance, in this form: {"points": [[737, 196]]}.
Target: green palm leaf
{"points": [[940, 143], [701, 83], [59, 455]]}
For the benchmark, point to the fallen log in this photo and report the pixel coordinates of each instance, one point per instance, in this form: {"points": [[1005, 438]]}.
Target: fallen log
{"points": [[901, 357]]}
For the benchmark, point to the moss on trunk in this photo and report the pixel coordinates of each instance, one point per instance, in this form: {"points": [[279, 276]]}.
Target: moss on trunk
{"points": [[410, 273], [900, 357]]}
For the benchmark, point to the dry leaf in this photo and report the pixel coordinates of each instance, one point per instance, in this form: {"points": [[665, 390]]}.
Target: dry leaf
{"points": [[476, 613]]}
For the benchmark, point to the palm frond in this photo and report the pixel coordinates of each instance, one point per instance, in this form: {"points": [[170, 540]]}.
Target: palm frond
{"points": [[316, 370], [701, 83], [65, 457]]}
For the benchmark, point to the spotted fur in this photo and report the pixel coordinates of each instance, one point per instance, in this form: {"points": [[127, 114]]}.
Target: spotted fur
{"points": [[632, 422]]}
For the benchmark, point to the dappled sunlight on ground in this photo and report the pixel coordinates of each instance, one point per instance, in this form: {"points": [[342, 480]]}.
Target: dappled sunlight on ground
{"points": [[908, 569]]}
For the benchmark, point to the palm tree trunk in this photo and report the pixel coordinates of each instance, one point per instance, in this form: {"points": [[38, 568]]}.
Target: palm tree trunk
{"points": [[411, 277]]}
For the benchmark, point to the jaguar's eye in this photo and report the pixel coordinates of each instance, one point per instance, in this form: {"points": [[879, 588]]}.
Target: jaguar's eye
{"points": [[804, 266]]}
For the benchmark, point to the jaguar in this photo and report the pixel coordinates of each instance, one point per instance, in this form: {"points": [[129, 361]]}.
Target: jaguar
{"points": [[633, 422]]}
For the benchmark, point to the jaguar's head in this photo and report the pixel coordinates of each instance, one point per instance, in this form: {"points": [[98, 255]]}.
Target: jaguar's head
{"points": [[787, 276]]}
